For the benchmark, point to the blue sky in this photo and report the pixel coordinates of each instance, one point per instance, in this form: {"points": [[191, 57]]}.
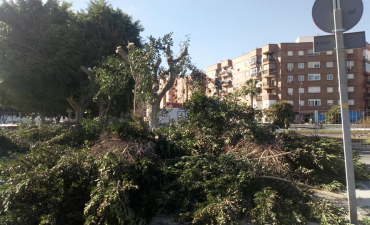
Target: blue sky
{"points": [[221, 30]]}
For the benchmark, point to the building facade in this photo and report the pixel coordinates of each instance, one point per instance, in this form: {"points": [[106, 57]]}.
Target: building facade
{"points": [[295, 73]]}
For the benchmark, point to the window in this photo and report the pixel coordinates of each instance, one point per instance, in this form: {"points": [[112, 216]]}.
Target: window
{"points": [[228, 69], [247, 73], [351, 102], [329, 53], [314, 65], [314, 89], [300, 65], [350, 76], [329, 64], [290, 102], [314, 102], [301, 90], [351, 89], [253, 61], [329, 77], [312, 53], [313, 77], [330, 102], [350, 64], [300, 53], [301, 77], [289, 66], [254, 72], [290, 53], [301, 103], [290, 79], [349, 51], [329, 89], [290, 91]]}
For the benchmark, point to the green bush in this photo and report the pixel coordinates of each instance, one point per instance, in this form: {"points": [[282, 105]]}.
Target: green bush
{"points": [[316, 160], [127, 130], [333, 116]]}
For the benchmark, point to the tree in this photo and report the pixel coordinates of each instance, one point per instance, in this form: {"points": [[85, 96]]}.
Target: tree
{"points": [[113, 81], [152, 81], [333, 116], [37, 54], [250, 88], [103, 28], [281, 113]]}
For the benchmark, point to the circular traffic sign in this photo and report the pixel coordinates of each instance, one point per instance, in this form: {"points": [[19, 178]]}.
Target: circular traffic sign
{"points": [[323, 14]]}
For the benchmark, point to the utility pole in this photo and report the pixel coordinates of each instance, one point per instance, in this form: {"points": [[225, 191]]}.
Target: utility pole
{"points": [[346, 126]]}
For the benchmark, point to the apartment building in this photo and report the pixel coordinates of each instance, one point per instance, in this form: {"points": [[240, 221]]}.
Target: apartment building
{"points": [[295, 73]]}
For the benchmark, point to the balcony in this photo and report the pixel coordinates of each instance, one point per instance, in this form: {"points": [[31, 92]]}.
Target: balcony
{"points": [[269, 59], [225, 73], [259, 98], [366, 71], [269, 85], [256, 75], [367, 82], [227, 83], [367, 95], [269, 73], [256, 63]]}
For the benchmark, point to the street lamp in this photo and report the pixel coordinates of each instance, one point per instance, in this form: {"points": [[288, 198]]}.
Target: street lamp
{"points": [[299, 103]]}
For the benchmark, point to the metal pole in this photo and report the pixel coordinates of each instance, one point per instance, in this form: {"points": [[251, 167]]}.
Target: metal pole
{"points": [[347, 142]]}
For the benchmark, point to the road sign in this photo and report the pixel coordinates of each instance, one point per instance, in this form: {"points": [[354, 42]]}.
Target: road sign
{"points": [[351, 41], [323, 15]]}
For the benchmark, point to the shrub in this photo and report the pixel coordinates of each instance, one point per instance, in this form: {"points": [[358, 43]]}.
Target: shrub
{"points": [[281, 114], [333, 116]]}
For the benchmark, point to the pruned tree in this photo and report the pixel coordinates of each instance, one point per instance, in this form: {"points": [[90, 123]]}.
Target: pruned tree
{"points": [[151, 80]]}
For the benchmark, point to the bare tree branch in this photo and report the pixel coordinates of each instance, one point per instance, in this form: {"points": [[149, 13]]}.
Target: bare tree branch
{"points": [[87, 72], [290, 181], [182, 55], [122, 53]]}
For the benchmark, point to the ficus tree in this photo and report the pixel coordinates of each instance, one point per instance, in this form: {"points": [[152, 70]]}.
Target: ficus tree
{"points": [[152, 80], [46, 50], [37, 54], [103, 28]]}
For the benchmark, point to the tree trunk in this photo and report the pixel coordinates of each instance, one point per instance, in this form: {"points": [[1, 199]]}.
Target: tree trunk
{"points": [[152, 112], [42, 117], [57, 119], [251, 100], [102, 112], [79, 110]]}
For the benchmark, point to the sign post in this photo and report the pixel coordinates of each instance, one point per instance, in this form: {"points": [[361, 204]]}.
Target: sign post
{"points": [[346, 126], [337, 16]]}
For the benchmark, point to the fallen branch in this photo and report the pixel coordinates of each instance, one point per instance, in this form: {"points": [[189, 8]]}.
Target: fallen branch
{"points": [[290, 181]]}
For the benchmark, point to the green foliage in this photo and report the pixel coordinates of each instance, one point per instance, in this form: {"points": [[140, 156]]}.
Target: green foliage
{"points": [[36, 76], [326, 213], [52, 184], [91, 125], [333, 116], [314, 159], [211, 124], [48, 185], [127, 130], [272, 208], [281, 113]]}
